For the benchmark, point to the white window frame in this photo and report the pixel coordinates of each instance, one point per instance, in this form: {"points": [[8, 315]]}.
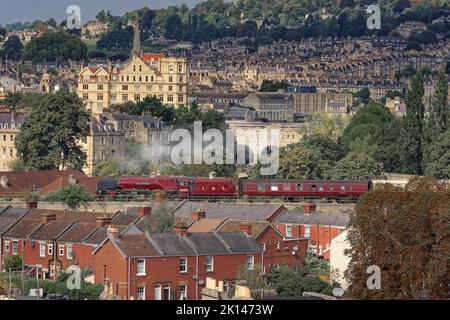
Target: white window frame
{"points": [[264, 246], [250, 262], [288, 231], [209, 266], [157, 291], [277, 245], [61, 250], [69, 252], [185, 265], [140, 296], [307, 234], [15, 247], [50, 249], [42, 249], [140, 271], [182, 292], [7, 246]]}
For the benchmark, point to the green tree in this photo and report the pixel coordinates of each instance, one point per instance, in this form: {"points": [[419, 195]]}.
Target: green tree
{"points": [[13, 48], [164, 222], [55, 46], [410, 142], [72, 195], [13, 263], [356, 166], [367, 127], [438, 157], [437, 122], [50, 136], [363, 94], [405, 232], [251, 278], [299, 162], [13, 100]]}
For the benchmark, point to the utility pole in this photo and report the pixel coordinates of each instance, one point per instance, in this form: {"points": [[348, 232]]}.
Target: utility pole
{"points": [[10, 284]]}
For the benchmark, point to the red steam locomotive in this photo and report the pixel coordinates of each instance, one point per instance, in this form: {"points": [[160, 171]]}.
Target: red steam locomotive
{"points": [[227, 188]]}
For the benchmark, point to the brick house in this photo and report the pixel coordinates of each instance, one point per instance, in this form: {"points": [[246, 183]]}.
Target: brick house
{"points": [[254, 219], [167, 266], [320, 228], [9, 216], [45, 238]]}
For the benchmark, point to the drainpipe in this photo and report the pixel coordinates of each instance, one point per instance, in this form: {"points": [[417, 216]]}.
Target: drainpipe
{"points": [[54, 260], [129, 281], [196, 275], [1, 253]]}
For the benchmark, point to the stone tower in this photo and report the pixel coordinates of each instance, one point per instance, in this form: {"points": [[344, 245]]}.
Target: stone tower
{"points": [[136, 51]]}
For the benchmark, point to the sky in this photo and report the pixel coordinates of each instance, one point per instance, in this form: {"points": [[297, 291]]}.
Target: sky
{"points": [[30, 10]]}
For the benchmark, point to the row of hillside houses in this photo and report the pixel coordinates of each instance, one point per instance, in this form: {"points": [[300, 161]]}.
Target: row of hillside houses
{"points": [[208, 240]]}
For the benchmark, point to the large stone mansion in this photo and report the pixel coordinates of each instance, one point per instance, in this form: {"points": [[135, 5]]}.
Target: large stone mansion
{"points": [[146, 74]]}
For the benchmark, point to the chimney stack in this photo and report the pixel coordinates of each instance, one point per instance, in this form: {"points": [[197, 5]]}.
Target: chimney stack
{"points": [[47, 217], [309, 207], [144, 211], [103, 220], [181, 229], [198, 214], [246, 227], [113, 232]]}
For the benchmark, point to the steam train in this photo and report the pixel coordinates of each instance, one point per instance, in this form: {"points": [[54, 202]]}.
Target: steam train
{"points": [[228, 188]]}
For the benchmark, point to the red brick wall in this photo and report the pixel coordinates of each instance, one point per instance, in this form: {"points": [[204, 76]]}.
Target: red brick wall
{"points": [[163, 271], [274, 257], [82, 256], [321, 235], [116, 267]]}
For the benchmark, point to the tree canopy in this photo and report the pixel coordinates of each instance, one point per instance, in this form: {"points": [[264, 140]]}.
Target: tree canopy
{"points": [[51, 135], [405, 232]]}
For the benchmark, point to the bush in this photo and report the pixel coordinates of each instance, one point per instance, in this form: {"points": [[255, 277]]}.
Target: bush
{"points": [[72, 195], [13, 262]]}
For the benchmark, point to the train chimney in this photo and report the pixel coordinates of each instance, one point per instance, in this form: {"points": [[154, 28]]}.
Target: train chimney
{"points": [[212, 175]]}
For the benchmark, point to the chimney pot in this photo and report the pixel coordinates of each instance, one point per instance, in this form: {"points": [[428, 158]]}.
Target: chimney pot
{"points": [[198, 214], [246, 227], [144, 211], [181, 229], [113, 232], [309, 207], [47, 217], [103, 220]]}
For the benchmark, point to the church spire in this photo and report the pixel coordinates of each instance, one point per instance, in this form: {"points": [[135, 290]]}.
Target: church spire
{"points": [[136, 38]]}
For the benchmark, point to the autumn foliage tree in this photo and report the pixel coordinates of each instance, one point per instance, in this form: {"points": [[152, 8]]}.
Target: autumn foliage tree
{"points": [[406, 232]]}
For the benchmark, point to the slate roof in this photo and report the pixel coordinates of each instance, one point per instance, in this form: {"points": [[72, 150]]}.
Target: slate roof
{"points": [[222, 210], [170, 244], [135, 245], [51, 230], [9, 216], [23, 228], [328, 219], [78, 232]]}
